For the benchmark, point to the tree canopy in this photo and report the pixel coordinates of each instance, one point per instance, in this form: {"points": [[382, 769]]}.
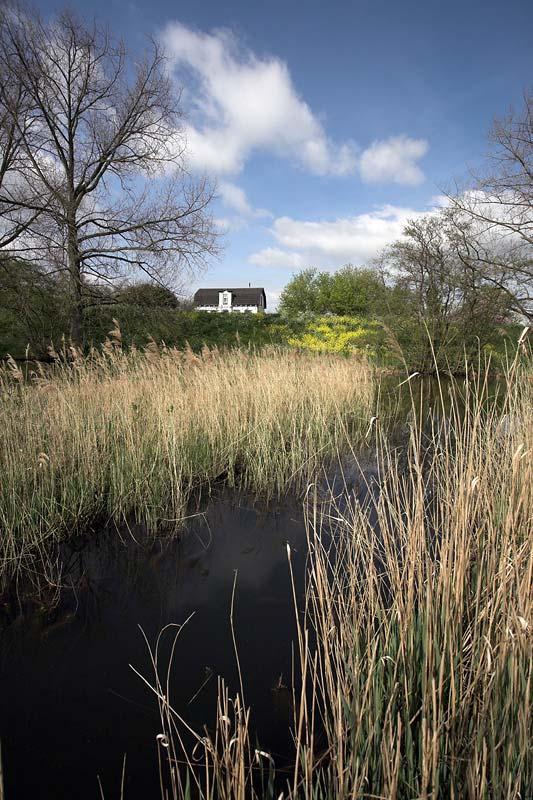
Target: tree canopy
{"points": [[348, 292]]}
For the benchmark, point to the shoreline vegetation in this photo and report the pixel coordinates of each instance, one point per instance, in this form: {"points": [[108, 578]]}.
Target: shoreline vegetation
{"points": [[413, 665], [413, 671], [124, 434], [394, 344]]}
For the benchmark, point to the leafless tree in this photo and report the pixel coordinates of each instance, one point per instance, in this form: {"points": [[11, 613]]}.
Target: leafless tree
{"points": [[100, 154], [493, 218], [451, 304], [15, 216]]}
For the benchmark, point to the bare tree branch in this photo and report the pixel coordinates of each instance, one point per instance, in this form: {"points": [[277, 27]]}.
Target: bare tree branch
{"points": [[493, 219], [97, 149]]}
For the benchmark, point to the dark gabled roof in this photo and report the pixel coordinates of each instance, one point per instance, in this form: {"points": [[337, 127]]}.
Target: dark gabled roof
{"points": [[250, 296]]}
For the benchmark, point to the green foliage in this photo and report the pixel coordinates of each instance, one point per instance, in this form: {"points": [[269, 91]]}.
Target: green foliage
{"points": [[353, 292], [348, 292], [429, 314], [147, 295], [177, 328], [34, 314], [32, 308], [300, 296], [405, 322]]}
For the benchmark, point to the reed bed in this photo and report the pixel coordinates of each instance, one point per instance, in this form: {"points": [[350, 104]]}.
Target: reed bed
{"points": [[132, 433], [414, 669]]}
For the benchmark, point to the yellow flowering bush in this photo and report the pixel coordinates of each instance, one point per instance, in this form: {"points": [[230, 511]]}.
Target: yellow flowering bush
{"points": [[339, 335]]}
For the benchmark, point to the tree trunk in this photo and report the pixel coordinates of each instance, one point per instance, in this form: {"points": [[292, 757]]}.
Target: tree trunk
{"points": [[76, 287], [76, 322]]}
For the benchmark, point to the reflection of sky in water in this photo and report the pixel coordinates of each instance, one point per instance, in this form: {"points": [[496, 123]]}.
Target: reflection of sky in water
{"points": [[70, 704]]}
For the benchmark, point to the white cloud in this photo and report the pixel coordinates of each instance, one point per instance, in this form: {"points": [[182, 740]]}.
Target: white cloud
{"points": [[274, 257], [394, 160], [235, 198], [331, 243], [229, 224], [244, 103], [240, 103]]}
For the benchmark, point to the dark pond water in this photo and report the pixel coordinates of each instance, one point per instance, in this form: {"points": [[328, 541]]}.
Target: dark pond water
{"points": [[71, 707]]}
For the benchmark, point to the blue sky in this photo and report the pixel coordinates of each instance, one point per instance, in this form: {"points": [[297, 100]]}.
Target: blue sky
{"points": [[328, 124]]}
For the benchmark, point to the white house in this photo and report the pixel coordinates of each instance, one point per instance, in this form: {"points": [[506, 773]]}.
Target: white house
{"points": [[251, 299]]}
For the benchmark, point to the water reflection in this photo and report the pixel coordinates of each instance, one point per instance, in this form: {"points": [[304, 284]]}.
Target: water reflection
{"points": [[70, 705]]}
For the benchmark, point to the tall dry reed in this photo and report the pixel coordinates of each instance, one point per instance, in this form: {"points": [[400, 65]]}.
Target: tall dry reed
{"points": [[422, 603], [122, 433], [415, 649]]}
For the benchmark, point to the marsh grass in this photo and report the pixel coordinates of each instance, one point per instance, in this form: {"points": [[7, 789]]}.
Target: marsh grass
{"points": [[121, 434], [423, 673], [414, 669]]}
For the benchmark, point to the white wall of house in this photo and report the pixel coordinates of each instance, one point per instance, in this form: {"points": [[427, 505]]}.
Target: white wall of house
{"points": [[231, 309]]}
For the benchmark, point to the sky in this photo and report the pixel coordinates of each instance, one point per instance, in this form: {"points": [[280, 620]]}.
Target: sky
{"points": [[327, 125]]}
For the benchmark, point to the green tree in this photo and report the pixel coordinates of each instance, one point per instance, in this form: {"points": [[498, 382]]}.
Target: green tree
{"points": [[348, 292], [32, 308], [356, 292], [301, 294]]}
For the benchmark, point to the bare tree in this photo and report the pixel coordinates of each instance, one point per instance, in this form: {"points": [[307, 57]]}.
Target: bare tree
{"points": [[451, 305], [15, 216], [493, 219], [101, 151]]}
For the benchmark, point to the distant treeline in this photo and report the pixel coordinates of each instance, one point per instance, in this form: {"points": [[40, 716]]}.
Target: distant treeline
{"points": [[419, 307], [34, 317], [351, 310]]}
